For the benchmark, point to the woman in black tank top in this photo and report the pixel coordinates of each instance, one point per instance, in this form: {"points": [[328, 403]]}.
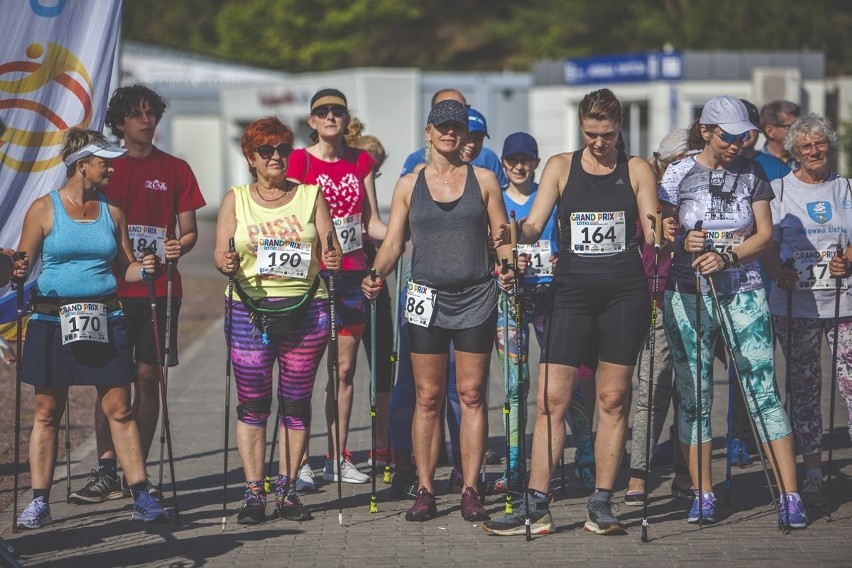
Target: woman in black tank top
{"points": [[449, 208], [601, 304]]}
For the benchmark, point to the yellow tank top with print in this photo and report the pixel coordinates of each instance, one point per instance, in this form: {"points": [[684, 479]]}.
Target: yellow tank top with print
{"points": [[258, 227]]}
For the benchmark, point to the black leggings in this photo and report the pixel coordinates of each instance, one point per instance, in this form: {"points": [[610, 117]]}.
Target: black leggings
{"points": [[384, 341], [436, 340]]}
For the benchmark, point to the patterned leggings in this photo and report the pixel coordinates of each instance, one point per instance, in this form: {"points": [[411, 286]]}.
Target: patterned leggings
{"points": [[806, 374], [299, 355], [534, 310], [747, 319]]}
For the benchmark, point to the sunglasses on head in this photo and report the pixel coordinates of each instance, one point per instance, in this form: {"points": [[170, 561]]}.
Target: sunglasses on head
{"points": [[729, 138], [322, 111], [266, 151]]}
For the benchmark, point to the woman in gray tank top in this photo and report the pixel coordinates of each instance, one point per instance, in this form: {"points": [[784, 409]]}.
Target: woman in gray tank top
{"points": [[449, 208]]}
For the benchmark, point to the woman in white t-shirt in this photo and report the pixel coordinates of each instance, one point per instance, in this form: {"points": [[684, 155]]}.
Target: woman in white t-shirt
{"points": [[811, 216]]}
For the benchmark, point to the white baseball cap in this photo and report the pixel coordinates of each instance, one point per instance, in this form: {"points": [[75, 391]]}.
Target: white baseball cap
{"points": [[727, 113]]}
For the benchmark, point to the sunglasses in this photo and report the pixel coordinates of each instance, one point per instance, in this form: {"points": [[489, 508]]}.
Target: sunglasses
{"points": [[729, 138], [266, 151], [322, 111]]}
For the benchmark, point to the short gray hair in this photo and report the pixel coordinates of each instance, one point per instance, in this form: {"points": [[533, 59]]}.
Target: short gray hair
{"points": [[810, 123]]}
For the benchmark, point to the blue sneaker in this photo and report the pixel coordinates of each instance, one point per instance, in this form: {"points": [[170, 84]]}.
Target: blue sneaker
{"points": [[792, 511], [36, 515], [147, 509], [708, 508], [738, 449]]}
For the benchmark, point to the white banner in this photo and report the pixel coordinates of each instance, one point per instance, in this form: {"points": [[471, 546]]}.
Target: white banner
{"points": [[56, 58]]}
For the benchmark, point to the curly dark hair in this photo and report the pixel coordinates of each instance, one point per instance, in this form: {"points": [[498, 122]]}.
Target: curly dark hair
{"points": [[125, 100]]}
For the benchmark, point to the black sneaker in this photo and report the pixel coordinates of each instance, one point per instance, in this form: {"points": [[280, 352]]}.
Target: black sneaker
{"points": [[515, 524], [100, 487], [404, 485], [253, 511], [152, 490], [601, 519], [288, 506], [492, 457]]}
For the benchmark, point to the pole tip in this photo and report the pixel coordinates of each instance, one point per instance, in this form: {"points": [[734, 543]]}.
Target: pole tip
{"points": [[340, 519]]}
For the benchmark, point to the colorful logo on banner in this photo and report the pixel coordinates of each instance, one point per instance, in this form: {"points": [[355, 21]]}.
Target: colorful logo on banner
{"points": [[26, 77]]}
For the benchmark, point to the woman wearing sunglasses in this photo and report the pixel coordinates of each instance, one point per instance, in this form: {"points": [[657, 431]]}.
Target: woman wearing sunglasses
{"points": [[721, 201], [345, 176], [278, 228], [811, 217]]}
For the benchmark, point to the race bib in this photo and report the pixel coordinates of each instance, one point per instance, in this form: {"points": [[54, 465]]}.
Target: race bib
{"points": [[144, 236], [419, 304], [349, 232], [283, 258], [540, 254], [813, 270], [598, 232], [725, 240], [83, 321]]}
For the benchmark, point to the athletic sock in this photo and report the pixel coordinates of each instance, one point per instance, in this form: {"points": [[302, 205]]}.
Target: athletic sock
{"points": [[138, 488], [43, 493], [538, 495], [815, 473], [792, 496], [283, 485], [107, 466]]}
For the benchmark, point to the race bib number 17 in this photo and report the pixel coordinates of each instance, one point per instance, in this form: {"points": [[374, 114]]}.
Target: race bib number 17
{"points": [[813, 270]]}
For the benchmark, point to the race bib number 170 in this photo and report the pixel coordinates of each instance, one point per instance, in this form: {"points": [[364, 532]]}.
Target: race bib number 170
{"points": [[83, 321]]}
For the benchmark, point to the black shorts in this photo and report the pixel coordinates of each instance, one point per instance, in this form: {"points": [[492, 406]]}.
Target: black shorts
{"points": [[138, 314], [597, 317], [47, 363], [436, 340]]}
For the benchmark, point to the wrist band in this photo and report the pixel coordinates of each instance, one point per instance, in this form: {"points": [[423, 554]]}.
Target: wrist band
{"points": [[144, 275]]}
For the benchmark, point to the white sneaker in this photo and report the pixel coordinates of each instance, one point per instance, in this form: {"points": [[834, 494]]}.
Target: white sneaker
{"points": [[350, 472], [305, 479]]}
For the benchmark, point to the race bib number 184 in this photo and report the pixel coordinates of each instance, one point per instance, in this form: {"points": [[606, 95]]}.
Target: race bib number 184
{"points": [[144, 236]]}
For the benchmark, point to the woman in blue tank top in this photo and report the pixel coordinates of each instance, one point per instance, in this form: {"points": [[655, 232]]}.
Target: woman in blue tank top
{"points": [[601, 306], [77, 334]]}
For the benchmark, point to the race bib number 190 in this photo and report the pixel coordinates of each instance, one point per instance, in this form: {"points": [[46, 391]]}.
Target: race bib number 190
{"points": [[419, 304], [83, 321], [283, 258], [598, 232], [349, 232], [144, 236]]}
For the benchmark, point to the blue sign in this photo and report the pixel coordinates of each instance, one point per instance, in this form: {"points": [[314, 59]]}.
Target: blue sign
{"points": [[630, 68]]}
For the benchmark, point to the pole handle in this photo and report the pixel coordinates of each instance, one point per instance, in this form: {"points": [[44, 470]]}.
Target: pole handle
{"points": [[658, 227], [513, 229]]}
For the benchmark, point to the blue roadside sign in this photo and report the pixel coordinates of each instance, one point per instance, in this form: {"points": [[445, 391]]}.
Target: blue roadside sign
{"points": [[627, 68]]}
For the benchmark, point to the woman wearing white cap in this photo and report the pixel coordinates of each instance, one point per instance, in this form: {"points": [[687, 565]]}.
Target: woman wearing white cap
{"points": [[720, 197], [77, 333]]}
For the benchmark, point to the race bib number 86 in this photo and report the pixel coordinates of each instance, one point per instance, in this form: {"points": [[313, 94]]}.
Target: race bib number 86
{"points": [[419, 304]]}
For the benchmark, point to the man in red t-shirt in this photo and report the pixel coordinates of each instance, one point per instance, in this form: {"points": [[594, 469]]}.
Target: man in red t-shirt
{"points": [[159, 196]]}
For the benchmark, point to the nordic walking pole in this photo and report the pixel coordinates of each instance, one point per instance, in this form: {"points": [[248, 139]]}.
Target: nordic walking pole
{"points": [[507, 407], [698, 372], [167, 356], [332, 352], [374, 507], [67, 448], [729, 347], [18, 285], [730, 420], [394, 359], [838, 286], [652, 341], [267, 482], [163, 402], [788, 371], [229, 339], [519, 341], [562, 472]]}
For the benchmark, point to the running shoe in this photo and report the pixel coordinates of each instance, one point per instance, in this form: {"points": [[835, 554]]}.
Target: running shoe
{"points": [[635, 498], [792, 511], [147, 509], [36, 515], [601, 519], [381, 457], [585, 474], [515, 524], [813, 491], [99, 487], [492, 457], [305, 479], [404, 485], [682, 491], [350, 472], [456, 479], [288, 506], [253, 510], [424, 507], [738, 450], [707, 505], [471, 507]]}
